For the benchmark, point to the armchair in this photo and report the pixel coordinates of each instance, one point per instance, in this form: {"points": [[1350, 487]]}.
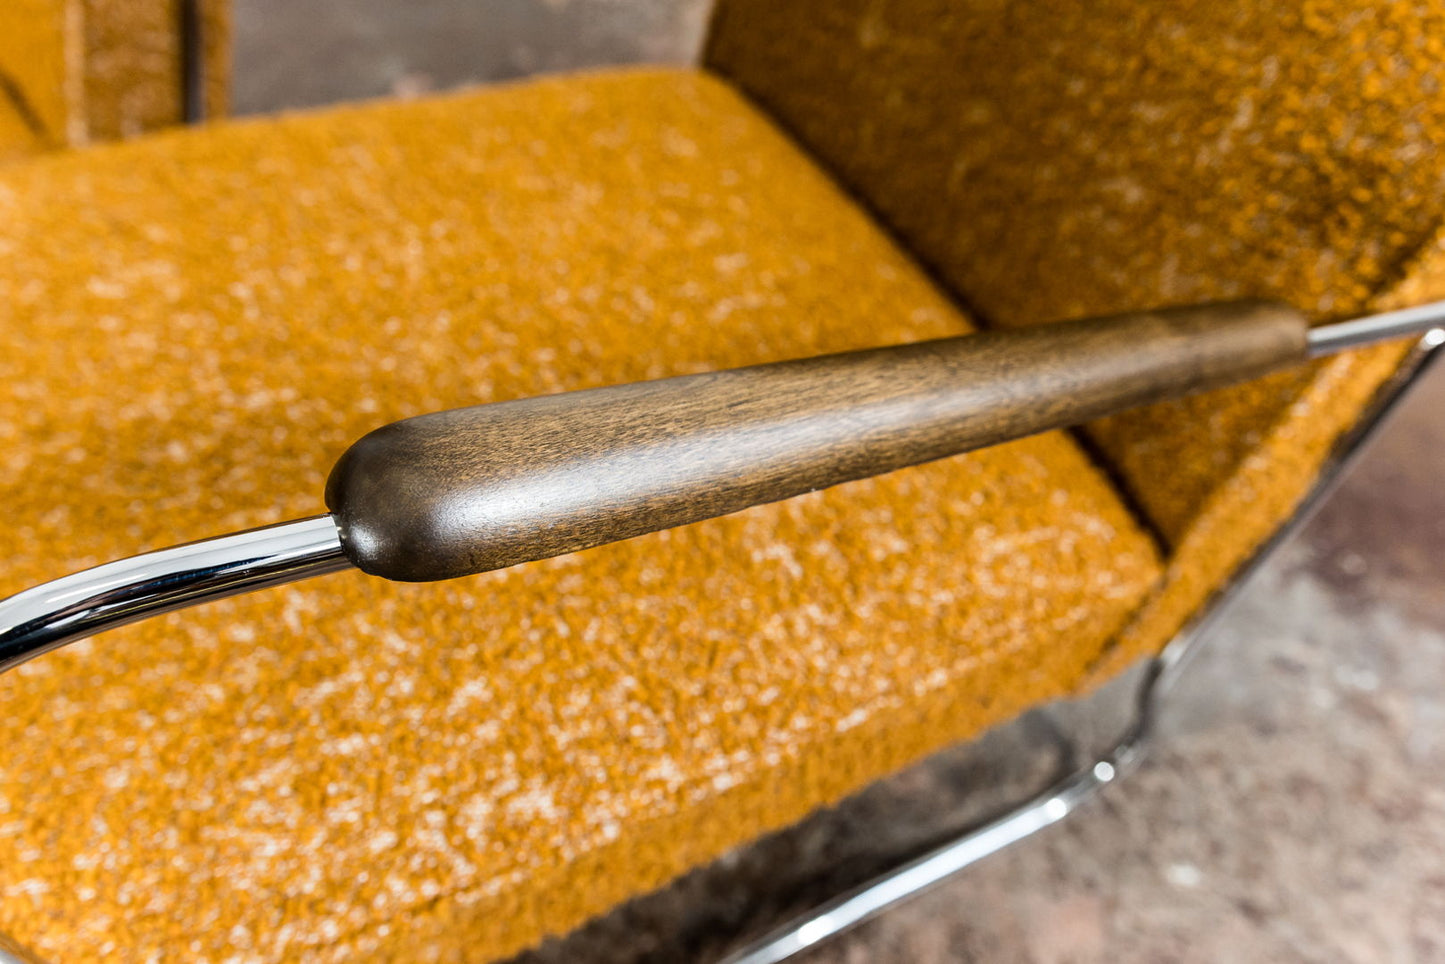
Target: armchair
{"points": [[201, 320]]}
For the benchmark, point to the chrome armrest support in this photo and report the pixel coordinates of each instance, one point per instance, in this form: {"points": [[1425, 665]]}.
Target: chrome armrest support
{"points": [[72, 607]]}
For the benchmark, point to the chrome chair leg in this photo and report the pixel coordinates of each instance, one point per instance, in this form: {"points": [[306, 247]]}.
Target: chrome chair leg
{"points": [[912, 879]]}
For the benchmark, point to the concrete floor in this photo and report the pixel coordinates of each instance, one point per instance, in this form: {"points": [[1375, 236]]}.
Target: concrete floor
{"points": [[1295, 808]]}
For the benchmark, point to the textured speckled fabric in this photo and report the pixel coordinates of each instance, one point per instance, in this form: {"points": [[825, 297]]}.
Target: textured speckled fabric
{"points": [[74, 72], [198, 323], [133, 64], [36, 103], [1053, 160]]}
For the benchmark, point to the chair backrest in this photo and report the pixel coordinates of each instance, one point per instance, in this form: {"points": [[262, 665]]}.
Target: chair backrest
{"points": [[1049, 159]]}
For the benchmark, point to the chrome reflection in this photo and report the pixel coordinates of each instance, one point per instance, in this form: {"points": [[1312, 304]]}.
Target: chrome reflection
{"points": [[52, 614]]}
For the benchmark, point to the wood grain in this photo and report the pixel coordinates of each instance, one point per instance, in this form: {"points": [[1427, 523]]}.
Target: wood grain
{"points": [[474, 489]]}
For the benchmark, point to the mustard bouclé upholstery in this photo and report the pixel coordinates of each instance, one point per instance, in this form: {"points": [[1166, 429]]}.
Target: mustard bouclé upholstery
{"points": [[199, 323], [75, 72], [1052, 160], [35, 99], [133, 64]]}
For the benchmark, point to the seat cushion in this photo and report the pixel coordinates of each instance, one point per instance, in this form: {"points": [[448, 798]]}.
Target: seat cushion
{"points": [[78, 71], [197, 325], [1056, 160]]}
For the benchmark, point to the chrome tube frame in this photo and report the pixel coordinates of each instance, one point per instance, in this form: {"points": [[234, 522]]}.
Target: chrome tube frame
{"points": [[1328, 339], [915, 877], [1056, 802], [72, 607]]}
